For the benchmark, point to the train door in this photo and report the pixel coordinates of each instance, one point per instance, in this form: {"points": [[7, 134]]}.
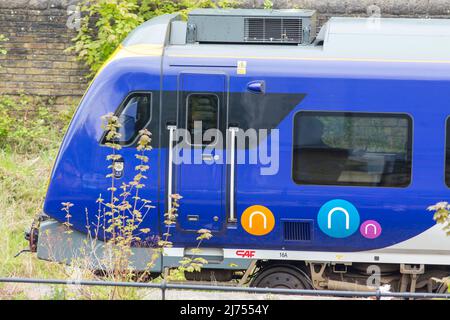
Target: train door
{"points": [[200, 168]]}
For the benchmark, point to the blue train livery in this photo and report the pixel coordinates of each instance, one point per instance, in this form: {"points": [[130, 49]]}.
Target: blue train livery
{"points": [[310, 156]]}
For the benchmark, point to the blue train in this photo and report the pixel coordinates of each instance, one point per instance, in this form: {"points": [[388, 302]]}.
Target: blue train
{"points": [[327, 147]]}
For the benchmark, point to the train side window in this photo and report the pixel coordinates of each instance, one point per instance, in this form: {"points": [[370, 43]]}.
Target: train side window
{"points": [[203, 109], [134, 115], [352, 149]]}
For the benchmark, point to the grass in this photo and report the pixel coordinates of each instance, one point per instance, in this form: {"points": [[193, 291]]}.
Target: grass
{"points": [[28, 146], [30, 134], [23, 180]]}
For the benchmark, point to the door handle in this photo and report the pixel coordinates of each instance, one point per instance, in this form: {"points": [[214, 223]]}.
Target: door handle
{"points": [[207, 157], [210, 157]]}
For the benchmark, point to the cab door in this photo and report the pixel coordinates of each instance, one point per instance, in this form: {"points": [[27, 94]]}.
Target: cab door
{"points": [[201, 173]]}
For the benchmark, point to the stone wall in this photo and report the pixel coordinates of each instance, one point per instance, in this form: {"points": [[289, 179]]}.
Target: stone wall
{"points": [[37, 63], [413, 8]]}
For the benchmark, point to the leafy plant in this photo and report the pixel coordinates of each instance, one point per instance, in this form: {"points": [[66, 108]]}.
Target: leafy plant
{"points": [[442, 216], [2, 39], [268, 4], [106, 23], [193, 263], [119, 219], [31, 124]]}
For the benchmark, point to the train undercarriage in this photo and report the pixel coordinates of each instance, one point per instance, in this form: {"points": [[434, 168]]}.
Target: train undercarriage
{"points": [[333, 276]]}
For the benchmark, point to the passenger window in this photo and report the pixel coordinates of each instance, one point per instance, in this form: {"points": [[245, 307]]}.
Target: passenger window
{"points": [[134, 116], [203, 109], [352, 149]]}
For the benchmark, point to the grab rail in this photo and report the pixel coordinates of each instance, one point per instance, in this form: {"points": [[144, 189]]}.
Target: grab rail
{"points": [[233, 130], [170, 168]]}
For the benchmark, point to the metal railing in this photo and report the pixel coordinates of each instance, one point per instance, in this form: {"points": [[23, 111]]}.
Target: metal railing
{"points": [[164, 286]]}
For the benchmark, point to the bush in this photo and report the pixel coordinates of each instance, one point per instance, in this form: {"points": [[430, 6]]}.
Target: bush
{"points": [[29, 125], [106, 23]]}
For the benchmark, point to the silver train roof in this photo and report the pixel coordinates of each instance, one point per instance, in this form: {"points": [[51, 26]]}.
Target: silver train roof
{"points": [[340, 38]]}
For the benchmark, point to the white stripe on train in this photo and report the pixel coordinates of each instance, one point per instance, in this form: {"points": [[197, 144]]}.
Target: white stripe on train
{"points": [[430, 247]]}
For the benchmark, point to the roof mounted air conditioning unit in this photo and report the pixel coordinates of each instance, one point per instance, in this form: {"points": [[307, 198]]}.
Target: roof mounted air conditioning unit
{"points": [[253, 26]]}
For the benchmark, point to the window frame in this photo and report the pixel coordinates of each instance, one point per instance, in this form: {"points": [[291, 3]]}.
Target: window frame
{"points": [[407, 115], [187, 117], [120, 109]]}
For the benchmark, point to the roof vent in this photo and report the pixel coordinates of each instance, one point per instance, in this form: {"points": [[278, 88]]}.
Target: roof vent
{"points": [[251, 26], [273, 30]]}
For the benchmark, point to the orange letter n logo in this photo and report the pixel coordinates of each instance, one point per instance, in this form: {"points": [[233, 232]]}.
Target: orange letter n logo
{"points": [[257, 220]]}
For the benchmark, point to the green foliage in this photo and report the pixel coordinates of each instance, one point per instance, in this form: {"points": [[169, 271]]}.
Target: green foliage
{"points": [[442, 215], [2, 39], [106, 23], [268, 4], [28, 125], [30, 132]]}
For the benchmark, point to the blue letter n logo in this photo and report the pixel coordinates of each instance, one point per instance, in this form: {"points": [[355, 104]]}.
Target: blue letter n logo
{"points": [[338, 218]]}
